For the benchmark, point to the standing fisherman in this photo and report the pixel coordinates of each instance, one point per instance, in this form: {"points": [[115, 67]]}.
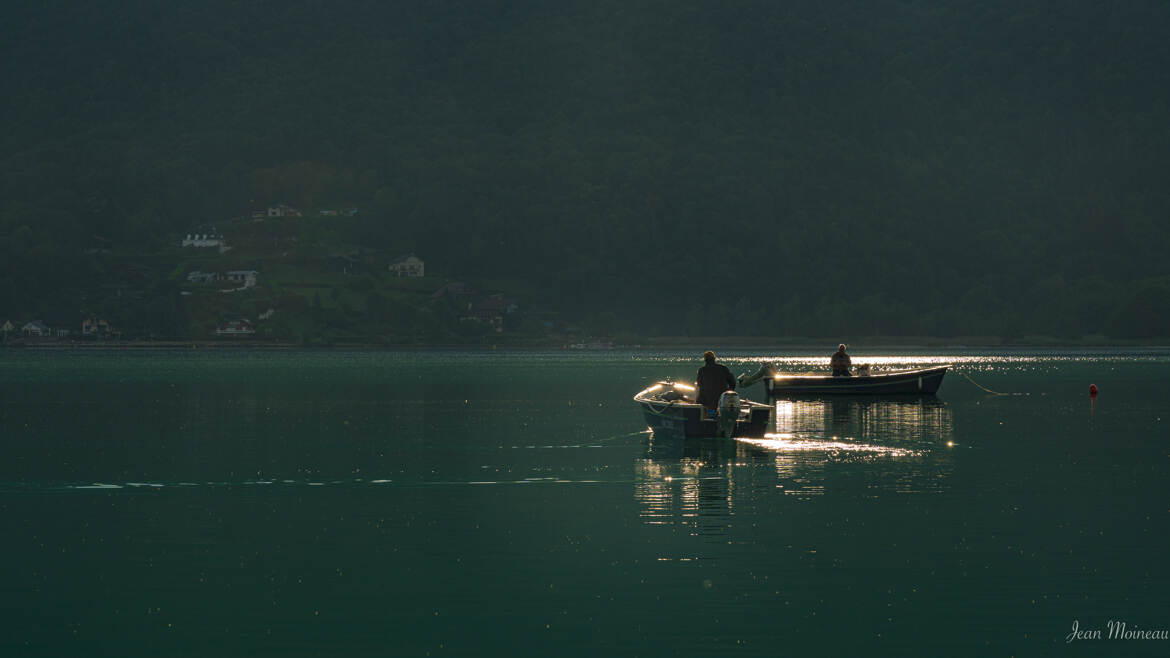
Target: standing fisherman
{"points": [[711, 381]]}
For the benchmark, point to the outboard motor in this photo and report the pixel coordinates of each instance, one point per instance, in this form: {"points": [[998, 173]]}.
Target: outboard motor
{"points": [[766, 370], [727, 414]]}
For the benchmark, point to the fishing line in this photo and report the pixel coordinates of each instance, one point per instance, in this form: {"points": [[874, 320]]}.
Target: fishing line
{"points": [[984, 388], [612, 439]]}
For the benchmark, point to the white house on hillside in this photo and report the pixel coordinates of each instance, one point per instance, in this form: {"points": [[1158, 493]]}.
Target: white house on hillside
{"points": [[202, 277], [95, 327], [281, 210], [408, 265], [203, 240], [245, 277], [240, 327], [36, 328]]}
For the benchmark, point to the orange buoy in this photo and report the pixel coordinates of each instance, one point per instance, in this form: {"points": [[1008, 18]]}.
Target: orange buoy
{"points": [[1092, 390]]}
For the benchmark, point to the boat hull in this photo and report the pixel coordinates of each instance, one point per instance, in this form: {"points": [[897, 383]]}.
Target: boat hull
{"points": [[688, 421], [924, 381]]}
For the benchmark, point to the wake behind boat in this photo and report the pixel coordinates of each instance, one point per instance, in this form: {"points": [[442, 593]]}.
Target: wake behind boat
{"points": [[919, 381], [670, 408]]}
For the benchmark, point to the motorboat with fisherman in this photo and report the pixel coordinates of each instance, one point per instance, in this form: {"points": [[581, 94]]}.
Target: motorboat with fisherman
{"points": [[670, 407], [918, 381]]}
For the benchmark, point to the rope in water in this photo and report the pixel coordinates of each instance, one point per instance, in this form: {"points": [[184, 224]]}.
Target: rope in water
{"points": [[984, 388]]}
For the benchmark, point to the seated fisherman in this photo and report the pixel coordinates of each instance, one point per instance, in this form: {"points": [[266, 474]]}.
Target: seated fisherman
{"points": [[840, 362], [711, 381]]}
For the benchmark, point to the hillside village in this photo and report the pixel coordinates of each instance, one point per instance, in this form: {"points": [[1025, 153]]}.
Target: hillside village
{"points": [[282, 275]]}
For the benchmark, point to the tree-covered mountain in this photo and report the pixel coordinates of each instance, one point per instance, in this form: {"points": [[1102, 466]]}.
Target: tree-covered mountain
{"points": [[744, 167]]}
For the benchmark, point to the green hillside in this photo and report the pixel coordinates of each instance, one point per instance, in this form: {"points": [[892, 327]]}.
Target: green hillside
{"points": [[685, 168]]}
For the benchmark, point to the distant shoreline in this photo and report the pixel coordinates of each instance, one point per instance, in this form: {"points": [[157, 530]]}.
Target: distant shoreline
{"points": [[718, 343]]}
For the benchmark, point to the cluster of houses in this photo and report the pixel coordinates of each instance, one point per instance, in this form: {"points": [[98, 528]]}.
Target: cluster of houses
{"points": [[90, 328], [245, 278], [487, 310], [283, 210], [279, 210], [241, 326], [470, 306]]}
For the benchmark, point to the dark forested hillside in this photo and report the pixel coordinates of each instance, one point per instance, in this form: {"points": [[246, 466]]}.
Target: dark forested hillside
{"points": [[760, 168]]}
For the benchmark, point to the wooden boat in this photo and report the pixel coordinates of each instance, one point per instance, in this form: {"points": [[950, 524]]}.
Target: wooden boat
{"points": [[920, 381], [670, 408]]}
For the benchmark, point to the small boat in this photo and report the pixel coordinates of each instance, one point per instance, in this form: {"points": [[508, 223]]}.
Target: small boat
{"points": [[920, 381], [670, 408]]}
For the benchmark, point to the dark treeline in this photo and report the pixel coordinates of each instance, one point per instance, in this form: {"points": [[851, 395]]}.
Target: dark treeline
{"points": [[760, 168]]}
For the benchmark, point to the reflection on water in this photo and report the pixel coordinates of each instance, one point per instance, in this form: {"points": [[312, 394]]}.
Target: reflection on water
{"points": [[910, 423], [340, 503], [693, 488], [868, 445]]}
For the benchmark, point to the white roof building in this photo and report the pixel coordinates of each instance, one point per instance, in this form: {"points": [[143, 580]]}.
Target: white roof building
{"points": [[408, 265]]}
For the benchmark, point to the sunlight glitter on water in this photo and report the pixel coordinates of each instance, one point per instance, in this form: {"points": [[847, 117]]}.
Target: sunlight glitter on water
{"points": [[794, 443], [451, 497], [919, 422], [789, 362]]}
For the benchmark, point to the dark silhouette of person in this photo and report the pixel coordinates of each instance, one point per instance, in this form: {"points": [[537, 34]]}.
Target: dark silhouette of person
{"points": [[711, 381], [840, 362]]}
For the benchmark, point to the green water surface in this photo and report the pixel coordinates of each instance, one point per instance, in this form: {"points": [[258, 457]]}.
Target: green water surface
{"points": [[276, 503]]}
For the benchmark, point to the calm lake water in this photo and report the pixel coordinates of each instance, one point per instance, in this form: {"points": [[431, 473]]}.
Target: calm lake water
{"points": [[231, 503]]}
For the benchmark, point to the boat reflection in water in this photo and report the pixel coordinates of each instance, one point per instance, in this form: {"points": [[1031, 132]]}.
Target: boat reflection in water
{"points": [[867, 422], [689, 485], [857, 447]]}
